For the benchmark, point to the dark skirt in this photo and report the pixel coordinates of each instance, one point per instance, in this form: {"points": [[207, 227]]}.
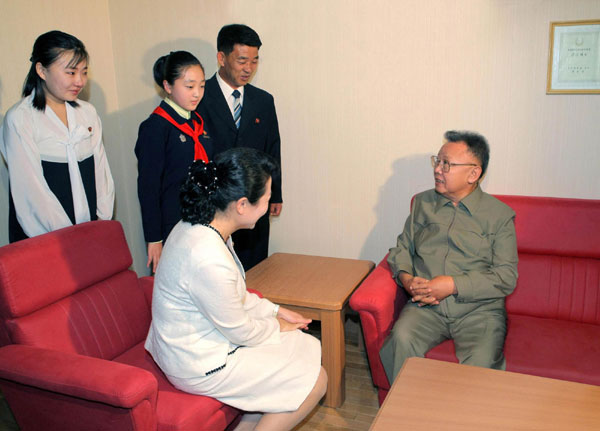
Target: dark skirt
{"points": [[56, 175]]}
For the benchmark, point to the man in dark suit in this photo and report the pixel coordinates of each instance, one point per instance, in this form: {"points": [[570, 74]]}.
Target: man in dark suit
{"points": [[237, 114]]}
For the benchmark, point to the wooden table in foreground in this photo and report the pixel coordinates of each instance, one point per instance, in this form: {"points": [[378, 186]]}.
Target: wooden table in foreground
{"points": [[436, 395], [318, 288]]}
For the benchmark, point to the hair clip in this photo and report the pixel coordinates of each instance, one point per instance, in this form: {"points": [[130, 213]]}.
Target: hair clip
{"points": [[201, 178]]}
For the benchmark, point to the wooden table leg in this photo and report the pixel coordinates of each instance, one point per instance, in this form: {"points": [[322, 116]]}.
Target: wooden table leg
{"points": [[334, 356]]}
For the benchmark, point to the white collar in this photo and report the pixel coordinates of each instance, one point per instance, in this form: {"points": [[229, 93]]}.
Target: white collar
{"points": [[228, 89]]}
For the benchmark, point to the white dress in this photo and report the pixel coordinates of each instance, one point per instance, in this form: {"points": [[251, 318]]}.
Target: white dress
{"points": [[210, 336]]}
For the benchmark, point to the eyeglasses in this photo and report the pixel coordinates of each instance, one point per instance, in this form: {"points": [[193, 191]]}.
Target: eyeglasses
{"points": [[446, 165]]}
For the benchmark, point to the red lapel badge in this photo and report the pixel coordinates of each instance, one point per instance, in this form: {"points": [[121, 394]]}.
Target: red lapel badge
{"points": [[257, 121]]}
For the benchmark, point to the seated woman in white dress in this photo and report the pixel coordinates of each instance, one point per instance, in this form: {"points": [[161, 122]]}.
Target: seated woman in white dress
{"points": [[209, 335]]}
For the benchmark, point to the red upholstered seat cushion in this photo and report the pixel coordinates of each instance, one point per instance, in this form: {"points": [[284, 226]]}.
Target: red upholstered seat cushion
{"points": [[176, 409], [558, 349], [443, 352], [553, 348]]}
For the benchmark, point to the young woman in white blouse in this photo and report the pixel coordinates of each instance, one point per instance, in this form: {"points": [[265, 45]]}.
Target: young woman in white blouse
{"points": [[52, 143], [209, 335]]}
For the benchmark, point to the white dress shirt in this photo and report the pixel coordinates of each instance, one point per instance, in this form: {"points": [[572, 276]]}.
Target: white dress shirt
{"points": [[227, 93], [31, 136]]}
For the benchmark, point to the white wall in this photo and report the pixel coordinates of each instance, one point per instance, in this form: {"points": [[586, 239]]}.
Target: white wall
{"points": [[364, 92]]}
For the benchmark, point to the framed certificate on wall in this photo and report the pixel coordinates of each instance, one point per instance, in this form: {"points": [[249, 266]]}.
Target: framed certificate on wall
{"points": [[574, 59]]}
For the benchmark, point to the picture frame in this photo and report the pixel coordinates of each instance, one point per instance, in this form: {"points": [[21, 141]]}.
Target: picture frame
{"points": [[574, 57]]}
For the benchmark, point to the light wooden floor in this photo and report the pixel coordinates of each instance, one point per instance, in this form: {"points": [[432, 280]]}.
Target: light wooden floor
{"points": [[359, 410], [356, 414]]}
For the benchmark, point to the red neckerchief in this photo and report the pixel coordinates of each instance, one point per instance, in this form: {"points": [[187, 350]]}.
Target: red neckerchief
{"points": [[199, 152]]}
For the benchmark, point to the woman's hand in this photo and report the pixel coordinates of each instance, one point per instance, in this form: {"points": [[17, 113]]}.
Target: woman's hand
{"points": [[290, 320], [285, 326], [154, 252]]}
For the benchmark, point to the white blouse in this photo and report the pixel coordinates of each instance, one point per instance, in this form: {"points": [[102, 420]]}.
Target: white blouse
{"points": [[31, 136], [201, 310]]}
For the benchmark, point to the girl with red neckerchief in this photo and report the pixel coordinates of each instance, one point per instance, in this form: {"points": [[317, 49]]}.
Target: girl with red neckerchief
{"points": [[168, 142]]}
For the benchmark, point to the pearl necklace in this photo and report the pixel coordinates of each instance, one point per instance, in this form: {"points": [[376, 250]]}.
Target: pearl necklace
{"points": [[216, 230], [226, 245]]}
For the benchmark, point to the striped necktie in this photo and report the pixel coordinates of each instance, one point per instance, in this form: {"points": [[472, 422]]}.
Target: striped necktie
{"points": [[237, 108]]}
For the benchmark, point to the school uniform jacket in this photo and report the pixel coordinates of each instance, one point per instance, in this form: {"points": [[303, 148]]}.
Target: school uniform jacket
{"points": [[164, 155]]}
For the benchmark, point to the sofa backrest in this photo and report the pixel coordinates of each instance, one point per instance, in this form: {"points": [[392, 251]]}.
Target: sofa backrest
{"points": [[559, 258], [71, 290]]}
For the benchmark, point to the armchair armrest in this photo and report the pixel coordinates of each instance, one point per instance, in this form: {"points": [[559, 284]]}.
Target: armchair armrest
{"points": [[85, 377], [378, 301]]}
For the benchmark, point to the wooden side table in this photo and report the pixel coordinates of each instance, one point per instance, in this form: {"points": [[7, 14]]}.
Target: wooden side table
{"points": [[318, 288]]}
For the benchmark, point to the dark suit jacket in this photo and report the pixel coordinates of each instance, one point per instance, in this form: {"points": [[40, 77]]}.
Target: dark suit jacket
{"points": [[258, 128]]}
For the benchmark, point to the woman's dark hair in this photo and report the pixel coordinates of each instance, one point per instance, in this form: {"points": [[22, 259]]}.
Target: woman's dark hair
{"points": [[234, 174], [172, 66], [46, 50]]}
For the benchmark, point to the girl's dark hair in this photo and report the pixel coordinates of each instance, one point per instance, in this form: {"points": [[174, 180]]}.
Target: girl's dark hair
{"points": [[46, 50], [234, 174], [172, 66]]}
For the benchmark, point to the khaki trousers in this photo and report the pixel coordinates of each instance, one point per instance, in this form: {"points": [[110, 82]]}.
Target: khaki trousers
{"points": [[478, 336]]}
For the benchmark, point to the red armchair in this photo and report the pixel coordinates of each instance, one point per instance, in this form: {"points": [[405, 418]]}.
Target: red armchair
{"points": [[74, 319], [554, 312]]}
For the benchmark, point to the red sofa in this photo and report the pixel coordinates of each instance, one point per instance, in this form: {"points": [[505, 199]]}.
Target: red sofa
{"points": [[554, 312], [73, 320]]}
